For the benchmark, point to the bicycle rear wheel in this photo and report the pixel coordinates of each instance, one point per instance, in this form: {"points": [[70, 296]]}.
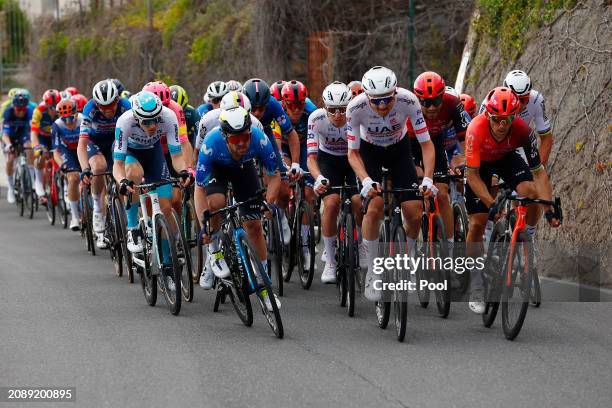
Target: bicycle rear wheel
{"points": [[121, 231], [441, 275], [62, 208], [516, 291], [275, 260], [111, 233], [51, 193], [251, 261], [400, 297], [26, 190], [170, 276], [422, 273], [306, 273], [87, 224]]}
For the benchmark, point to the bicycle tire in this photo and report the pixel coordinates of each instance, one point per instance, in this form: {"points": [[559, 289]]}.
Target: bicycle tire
{"points": [[186, 269], [17, 186], [26, 190], [275, 260], [442, 275], [351, 263], [341, 284], [422, 273], [251, 259], [400, 297], [536, 290], [173, 297], [383, 308], [306, 275], [61, 202], [239, 289], [121, 228], [88, 220], [523, 278], [111, 233], [289, 251], [191, 228], [147, 280], [493, 266], [49, 184], [461, 228]]}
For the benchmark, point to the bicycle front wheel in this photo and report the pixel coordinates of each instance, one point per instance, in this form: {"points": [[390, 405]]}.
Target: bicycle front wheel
{"points": [[239, 289], [382, 307], [517, 287], [461, 226], [441, 274], [62, 207], [121, 231], [493, 271], [184, 255], [147, 280], [170, 271], [306, 265], [252, 263], [351, 263], [400, 297]]}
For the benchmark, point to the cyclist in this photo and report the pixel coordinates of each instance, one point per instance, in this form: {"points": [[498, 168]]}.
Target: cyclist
{"points": [[214, 92], [329, 166], [72, 90], [40, 134], [15, 130], [11, 94], [126, 94], [444, 115], [294, 95], [65, 134], [119, 85], [226, 156], [376, 128], [491, 142], [452, 91], [532, 110], [95, 149], [233, 85], [192, 117], [138, 153], [469, 104], [355, 87], [269, 110]]}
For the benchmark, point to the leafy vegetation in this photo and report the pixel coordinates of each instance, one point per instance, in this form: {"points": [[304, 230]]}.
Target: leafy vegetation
{"points": [[16, 29]]}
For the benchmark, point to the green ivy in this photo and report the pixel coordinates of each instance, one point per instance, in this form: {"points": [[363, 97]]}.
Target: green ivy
{"points": [[84, 46], [508, 21]]}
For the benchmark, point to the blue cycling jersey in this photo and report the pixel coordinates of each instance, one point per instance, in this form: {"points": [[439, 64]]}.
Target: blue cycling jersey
{"points": [[204, 108], [63, 137], [97, 128], [14, 126], [274, 111], [214, 151]]}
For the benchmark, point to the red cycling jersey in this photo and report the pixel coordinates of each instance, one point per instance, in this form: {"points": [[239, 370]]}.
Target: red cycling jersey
{"points": [[480, 146], [452, 114]]}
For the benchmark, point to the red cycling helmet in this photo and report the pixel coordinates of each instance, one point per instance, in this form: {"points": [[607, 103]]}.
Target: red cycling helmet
{"points": [[51, 97], [72, 90], [160, 89], [502, 101], [66, 107], [80, 100], [469, 104], [294, 91], [275, 89], [429, 85]]}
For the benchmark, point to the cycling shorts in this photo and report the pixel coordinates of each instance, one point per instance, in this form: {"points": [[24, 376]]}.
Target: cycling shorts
{"points": [[338, 171], [441, 164], [153, 165], [106, 150]]}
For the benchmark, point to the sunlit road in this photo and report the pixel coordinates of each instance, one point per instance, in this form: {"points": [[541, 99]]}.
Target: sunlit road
{"points": [[66, 320]]}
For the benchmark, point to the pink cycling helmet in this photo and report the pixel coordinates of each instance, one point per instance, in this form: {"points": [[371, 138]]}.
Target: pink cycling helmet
{"points": [[159, 89]]}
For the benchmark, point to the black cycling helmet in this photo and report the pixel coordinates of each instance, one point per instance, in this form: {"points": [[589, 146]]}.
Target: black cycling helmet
{"points": [[21, 100], [257, 90]]}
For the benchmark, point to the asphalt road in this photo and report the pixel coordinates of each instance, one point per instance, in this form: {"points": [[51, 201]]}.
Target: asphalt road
{"points": [[66, 320]]}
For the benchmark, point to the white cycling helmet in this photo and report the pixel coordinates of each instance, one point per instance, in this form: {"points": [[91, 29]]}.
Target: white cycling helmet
{"points": [[233, 99], [336, 94], [105, 92], [234, 121], [518, 81], [146, 105], [379, 81], [217, 89], [233, 85], [451, 90]]}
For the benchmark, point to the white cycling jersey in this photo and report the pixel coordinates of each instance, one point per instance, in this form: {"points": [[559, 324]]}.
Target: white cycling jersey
{"points": [[211, 120], [534, 111], [364, 123], [324, 136], [129, 134]]}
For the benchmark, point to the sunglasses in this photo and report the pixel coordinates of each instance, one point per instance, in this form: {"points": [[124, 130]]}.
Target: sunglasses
{"points": [[336, 111], [110, 106], [70, 118], [502, 118], [216, 100], [426, 103], [295, 105], [148, 122], [241, 138], [385, 99]]}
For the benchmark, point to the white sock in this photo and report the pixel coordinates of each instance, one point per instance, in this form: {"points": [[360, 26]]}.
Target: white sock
{"points": [[530, 230], [372, 253], [38, 175], [11, 182], [330, 249], [305, 232], [74, 209], [96, 202]]}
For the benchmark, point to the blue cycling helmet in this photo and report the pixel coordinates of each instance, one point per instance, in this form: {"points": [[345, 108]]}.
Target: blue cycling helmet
{"points": [[146, 106]]}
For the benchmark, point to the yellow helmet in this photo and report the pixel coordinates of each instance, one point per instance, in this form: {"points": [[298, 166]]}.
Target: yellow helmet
{"points": [[179, 95]]}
